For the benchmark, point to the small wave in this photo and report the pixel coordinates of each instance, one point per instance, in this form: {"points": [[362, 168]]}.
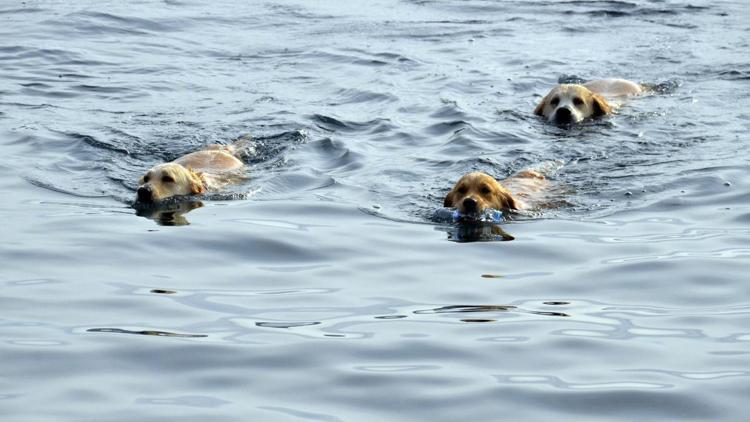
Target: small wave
{"points": [[51, 186], [333, 124], [466, 308], [735, 75], [268, 150], [266, 324]]}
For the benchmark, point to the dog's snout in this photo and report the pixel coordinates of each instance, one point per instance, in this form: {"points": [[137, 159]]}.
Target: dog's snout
{"points": [[563, 115], [145, 194], [469, 205]]}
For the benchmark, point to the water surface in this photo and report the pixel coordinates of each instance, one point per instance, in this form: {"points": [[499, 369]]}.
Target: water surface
{"points": [[319, 289]]}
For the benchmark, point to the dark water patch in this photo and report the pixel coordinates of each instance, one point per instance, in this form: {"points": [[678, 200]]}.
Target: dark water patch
{"points": [[21, 10], [358, 96], [681, 25], [156, 333], [476, 232], [447, 128], [104, 24], [449, 110], [97, 144], [391, 317], [170, 212], [268, 150], [458, 309], [286, 324], [735, 75], [627, 10], [400, 58], [335, 156], [101, 89], [35, 85], [466, 308], [163, 292], [332, 124]]}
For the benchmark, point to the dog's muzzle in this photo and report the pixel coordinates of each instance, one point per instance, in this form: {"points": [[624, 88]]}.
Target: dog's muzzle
{"points": [[469, 205], [563, 116], [145, 194]]}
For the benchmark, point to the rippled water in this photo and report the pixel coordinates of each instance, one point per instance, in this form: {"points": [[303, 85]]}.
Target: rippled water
{"points": [[319, 289]]}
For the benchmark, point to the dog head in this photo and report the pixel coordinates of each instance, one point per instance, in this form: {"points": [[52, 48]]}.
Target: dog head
{"points": [[571, 103], [475, 192], [168, 180]]}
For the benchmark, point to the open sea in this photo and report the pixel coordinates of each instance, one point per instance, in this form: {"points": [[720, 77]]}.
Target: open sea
{"points": [[320, 288]]}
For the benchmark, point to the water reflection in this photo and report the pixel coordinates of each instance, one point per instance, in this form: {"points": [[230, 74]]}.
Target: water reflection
{"points": [[476, 232], [169, 213], [144, 332], [466, 308]]}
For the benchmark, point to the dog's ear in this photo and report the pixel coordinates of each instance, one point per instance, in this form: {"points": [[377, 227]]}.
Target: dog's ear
{"points": [[513, 203], [600, 105], [196, 183], [506, 201], [539, 110], [448, 201]]}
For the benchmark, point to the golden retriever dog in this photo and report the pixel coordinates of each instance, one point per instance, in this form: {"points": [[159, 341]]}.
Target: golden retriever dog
{"points": [[192, 174], [572, 103], [476, 192]]}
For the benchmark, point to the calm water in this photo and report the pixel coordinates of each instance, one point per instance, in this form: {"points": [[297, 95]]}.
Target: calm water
{"points": [[319, 290]]}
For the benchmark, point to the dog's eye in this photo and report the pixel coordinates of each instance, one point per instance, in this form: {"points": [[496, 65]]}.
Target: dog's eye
{"points": [[167, 179], [578, 101], [146, 178], [462, 190], [485, 190], [555, 101]]}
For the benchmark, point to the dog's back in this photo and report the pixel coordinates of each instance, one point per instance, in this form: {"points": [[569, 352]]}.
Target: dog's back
{"points": [[210, 161], [614, 87]]}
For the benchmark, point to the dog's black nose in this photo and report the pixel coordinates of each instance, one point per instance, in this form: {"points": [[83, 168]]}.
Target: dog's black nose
{"points": [[563, 115], [469, 205], [145, 194]]}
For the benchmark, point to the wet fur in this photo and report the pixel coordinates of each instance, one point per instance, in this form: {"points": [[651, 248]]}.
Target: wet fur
{"points": [[573, 103], [192, 174], [476, 192]]}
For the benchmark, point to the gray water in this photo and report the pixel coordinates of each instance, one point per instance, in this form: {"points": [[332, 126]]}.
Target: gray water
{"points": [[319, 289]]}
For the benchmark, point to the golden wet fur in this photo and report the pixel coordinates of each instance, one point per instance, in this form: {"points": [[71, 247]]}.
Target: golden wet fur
{"points": [[572, 103], [191, 174], [477, 191]]}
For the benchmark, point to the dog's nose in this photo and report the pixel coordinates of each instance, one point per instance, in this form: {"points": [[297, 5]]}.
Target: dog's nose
{"points": [[563, 115], [469, 205], [145, 194]]}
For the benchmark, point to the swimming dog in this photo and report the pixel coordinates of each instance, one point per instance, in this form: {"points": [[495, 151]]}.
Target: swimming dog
{"points": [[571, 103], [476, 192], [198, 172]]}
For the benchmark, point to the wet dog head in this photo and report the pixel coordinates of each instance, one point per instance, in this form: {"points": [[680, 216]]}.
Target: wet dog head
{"points": [[571, 103], [476, 192], [168, 180]]}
